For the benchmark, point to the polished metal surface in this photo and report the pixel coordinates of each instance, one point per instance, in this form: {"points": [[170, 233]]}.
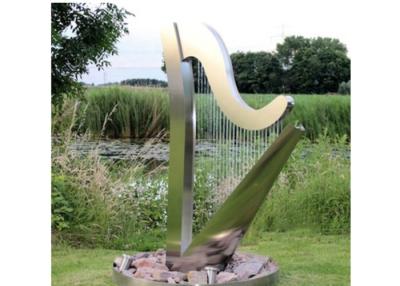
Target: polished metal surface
{"points": [[204, 43], [126, 262], [265, 280], [219, 239], [182, 137], [211, 274]]}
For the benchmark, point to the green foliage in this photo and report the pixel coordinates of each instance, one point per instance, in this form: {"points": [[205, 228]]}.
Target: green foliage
{"points": [[204, 204], [126, 112], [144, 82], [81, 36], [119, 112], [61, 210], [344, 88], [299, 65], [257, 72], [313, 191], [99, 203], [322, 115], [115, 205], [103, 203], [319, 114], [315, 65]]}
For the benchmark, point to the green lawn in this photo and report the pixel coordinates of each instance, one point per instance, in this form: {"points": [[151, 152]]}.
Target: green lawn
{"points": [[305, 258]]}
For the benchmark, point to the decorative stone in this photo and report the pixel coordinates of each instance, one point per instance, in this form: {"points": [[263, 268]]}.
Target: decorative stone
{"points": [[159, 252], [248, 269], [141, 255], [271, 266], [160, 275], [144, 272], [240, 267], [150, 262], [259, 259], [197, 277], [144, 262], [224, 277], [179, 276]]}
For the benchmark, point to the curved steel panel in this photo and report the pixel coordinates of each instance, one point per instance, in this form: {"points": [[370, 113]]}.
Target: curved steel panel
{"points": [[204, 43]]}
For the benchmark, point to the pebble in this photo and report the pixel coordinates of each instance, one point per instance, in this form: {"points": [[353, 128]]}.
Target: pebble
{"points": [[151, 262], [144, 272], [224, 277], [171, 280], [241, 266], [248, 269]]}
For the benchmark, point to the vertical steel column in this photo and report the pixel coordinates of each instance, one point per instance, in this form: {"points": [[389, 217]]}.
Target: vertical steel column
{"points": [[181, 147]]}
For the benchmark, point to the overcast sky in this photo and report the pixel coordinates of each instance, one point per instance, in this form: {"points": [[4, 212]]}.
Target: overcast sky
{"points": [[243, 25]]}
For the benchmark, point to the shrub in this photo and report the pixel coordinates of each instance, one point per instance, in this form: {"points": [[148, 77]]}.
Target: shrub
{"points": [[344, 88], [313, 190]]}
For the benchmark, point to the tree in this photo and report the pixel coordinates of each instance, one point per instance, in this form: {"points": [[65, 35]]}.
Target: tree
{"points": [[300, 65], [257, 72], [313, 65], [81, 36], [144, 82]]}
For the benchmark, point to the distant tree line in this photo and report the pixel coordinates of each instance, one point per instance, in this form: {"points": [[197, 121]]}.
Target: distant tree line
{"points": [[299, 65], [144, 82]]}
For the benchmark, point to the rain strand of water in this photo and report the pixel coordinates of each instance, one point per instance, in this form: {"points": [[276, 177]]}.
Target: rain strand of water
{"points": [[225, 152]]}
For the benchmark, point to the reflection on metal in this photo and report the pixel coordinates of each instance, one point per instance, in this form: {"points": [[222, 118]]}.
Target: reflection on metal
{"points": [[126, 262], [204, 43], [265, 280], [219, 239], [182, 122], [211, 274]]}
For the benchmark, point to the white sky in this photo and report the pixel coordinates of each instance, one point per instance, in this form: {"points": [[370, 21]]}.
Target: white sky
{"points": [[243, 25]]}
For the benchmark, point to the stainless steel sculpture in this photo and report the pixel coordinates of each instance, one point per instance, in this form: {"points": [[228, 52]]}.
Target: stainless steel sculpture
{"points": [[217, 242], [180, 43]]}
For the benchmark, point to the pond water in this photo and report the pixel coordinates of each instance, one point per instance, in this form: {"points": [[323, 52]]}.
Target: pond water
{"points": [[127, 149], [156, 150], [123, 149]]}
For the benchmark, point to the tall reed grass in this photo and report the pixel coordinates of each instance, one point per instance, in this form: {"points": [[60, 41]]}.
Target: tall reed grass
{"points": [[126, 112], [132, 112], [320, 114], [99, 203]]}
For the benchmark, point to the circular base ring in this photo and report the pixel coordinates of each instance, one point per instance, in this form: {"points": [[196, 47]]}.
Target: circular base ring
{"points": [[268, 279]]}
